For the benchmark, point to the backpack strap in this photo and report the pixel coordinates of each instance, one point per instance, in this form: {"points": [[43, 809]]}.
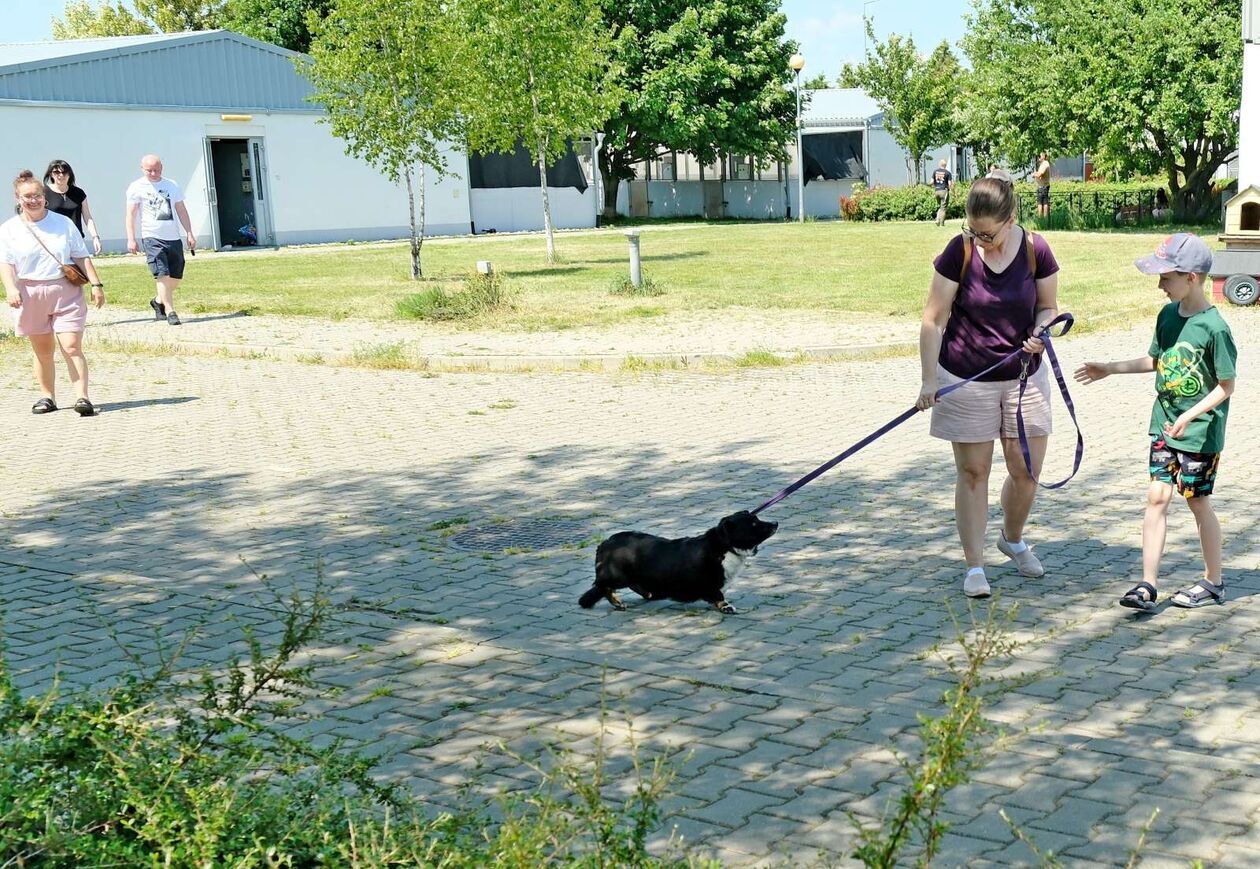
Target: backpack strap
{"points": [[1028, 245]]}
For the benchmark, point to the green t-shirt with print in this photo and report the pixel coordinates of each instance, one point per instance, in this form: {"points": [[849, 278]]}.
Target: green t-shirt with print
{"points": [[1192, 354]]}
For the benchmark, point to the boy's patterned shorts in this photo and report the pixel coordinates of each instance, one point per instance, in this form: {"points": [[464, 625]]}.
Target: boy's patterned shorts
{"points": [[1193, 474]]}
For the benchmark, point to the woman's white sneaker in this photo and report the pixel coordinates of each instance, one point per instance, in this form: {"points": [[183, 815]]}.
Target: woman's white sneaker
{"points": [[1024, 559], [976, 584]]}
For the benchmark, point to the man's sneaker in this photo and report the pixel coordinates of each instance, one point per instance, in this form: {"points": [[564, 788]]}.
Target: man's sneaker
{"points": [[1026, 561], [159, 310], [172, 318], [976, 584]]}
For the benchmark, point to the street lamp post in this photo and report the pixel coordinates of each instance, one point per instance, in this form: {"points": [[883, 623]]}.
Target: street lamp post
{"points": [[797, 63], [865, 40]]}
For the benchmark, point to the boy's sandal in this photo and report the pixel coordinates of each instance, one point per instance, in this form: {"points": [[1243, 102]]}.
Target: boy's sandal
{"points": [[44, 405], [1141, 597], [1200, 594]]}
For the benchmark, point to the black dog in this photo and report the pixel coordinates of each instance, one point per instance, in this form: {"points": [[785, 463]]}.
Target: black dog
{"points": [[684, 569]]}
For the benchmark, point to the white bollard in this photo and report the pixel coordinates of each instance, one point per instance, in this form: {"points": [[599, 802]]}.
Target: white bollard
{"points": [[636, 269]]}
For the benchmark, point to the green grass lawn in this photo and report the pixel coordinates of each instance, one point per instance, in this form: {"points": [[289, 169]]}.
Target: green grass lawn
{"points": [[874, 268]]}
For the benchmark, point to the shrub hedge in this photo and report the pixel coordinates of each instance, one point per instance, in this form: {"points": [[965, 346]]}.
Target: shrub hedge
{"points": [[1083, 203]]}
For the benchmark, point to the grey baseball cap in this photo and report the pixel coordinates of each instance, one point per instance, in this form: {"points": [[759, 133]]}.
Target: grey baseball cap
{"points": [[1182, 252]]}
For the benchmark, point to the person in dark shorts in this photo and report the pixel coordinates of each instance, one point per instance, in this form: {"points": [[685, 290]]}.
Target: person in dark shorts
{"points": [[942, 181], [1042, 177], [1194, 360], [159, 201]]}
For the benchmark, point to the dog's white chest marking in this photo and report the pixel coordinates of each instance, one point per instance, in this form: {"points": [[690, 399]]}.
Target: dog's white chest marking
{"points": [[733, 563]]}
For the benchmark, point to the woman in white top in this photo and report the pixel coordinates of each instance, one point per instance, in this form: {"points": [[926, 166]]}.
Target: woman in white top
{"points": [[48, 309]]}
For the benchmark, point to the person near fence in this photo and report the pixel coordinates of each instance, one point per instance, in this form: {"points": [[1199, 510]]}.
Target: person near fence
{"points": [[49, 309], [159, 201], [1162, 208], [942, 183], [995, 287], [1193, 357], [66, 198], [1042, 177]]}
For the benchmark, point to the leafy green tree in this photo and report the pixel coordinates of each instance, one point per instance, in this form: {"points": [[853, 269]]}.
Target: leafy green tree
{"points": [[818, 82], [917, 94], [1142, 85], [82, 19], [280, 22], [538, 74], [384, 72], [700, 76]]}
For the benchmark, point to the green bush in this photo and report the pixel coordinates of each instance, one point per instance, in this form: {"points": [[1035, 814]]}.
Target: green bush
{"points": [[482, 293], [912, 202], [621, 285], [165, 770], [1079, 204]]}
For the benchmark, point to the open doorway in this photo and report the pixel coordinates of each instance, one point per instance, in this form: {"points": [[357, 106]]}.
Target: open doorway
{"points": [[238, 196]]}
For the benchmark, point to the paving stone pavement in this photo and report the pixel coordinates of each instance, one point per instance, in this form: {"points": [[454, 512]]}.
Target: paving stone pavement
{"points": [[203, 473]]}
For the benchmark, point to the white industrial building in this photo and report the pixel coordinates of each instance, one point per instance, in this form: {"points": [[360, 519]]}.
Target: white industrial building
{"points": [[229, 116], [844, 139]]}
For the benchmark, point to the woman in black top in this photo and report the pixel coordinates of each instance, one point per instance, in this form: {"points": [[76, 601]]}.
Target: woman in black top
{"points": [[64, 197]]}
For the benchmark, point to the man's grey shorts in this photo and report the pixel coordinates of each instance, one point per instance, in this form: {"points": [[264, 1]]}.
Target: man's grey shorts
{"points": [[166, 258]]}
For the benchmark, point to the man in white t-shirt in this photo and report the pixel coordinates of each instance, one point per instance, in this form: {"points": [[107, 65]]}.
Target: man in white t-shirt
{"points": [[159, 201]]}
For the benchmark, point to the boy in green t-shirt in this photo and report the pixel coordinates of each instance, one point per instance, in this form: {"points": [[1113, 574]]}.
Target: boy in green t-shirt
{"points": [[1193, 357]]}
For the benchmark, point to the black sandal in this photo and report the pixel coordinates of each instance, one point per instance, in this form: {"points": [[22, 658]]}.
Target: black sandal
{"points": [[44, 405], [1200, 594], [83, 407], [1141, 597]]}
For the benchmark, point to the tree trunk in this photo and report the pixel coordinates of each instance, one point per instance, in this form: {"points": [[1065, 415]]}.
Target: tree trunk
{"points": [[416, 234], [611, 182], [542, 175]]}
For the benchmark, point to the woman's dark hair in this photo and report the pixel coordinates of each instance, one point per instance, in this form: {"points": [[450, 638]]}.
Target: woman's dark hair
{"points": [[23, 177], [58, 164], [991, 198], [1161, 198]]}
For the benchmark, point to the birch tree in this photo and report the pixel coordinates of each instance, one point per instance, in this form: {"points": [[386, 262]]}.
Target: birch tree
{"points": [[383, 71], [539, 75]]}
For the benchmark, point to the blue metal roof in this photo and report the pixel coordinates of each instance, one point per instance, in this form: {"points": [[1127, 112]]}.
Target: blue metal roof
{"points": [[212, 69]]}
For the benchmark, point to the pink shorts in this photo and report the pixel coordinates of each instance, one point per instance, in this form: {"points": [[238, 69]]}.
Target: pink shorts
{"points": [[983, 411], [49, 306]]}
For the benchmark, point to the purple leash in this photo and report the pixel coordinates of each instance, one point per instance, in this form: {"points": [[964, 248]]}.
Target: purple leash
{"points": [[1066, 320]]}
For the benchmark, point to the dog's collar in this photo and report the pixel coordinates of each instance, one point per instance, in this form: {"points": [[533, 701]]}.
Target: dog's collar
{"points": [[744, 553]]}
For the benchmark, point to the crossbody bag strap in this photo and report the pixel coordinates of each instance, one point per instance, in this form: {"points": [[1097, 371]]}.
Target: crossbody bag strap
{"points": [[966, 259], [35, 236], [1032, 254]]}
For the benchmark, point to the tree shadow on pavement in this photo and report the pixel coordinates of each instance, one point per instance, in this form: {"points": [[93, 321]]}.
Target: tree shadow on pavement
{"points": [[788, 711]]}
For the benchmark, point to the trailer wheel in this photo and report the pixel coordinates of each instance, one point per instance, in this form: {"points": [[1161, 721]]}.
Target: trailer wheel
{"points": [[1242, 289]]}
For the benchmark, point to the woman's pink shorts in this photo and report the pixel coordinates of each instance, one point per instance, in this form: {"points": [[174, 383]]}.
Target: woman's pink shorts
{"points": [[49, 306], [983, 411]]}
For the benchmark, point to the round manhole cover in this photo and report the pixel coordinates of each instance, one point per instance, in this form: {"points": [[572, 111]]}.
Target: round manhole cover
{"points": [[523, 534]]}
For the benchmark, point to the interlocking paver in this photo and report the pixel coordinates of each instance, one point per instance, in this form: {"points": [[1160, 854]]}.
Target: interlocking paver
{"points": [[785, 716]]}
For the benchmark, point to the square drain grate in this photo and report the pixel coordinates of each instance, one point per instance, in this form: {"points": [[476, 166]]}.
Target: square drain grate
{"points": [[527, 534]]}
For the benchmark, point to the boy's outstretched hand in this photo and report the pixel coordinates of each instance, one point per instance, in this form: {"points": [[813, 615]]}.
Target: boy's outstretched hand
{"points": [[1091, 371]]}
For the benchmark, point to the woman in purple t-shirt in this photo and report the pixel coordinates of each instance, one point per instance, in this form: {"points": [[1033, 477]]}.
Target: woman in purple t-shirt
{"points": [[971, 321]]}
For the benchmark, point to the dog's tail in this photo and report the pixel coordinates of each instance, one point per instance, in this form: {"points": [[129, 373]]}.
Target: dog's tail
{"points": [[591, 597]]}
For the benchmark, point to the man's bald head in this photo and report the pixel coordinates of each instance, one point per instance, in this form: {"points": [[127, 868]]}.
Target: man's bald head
{"points": [[151, 165]]}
